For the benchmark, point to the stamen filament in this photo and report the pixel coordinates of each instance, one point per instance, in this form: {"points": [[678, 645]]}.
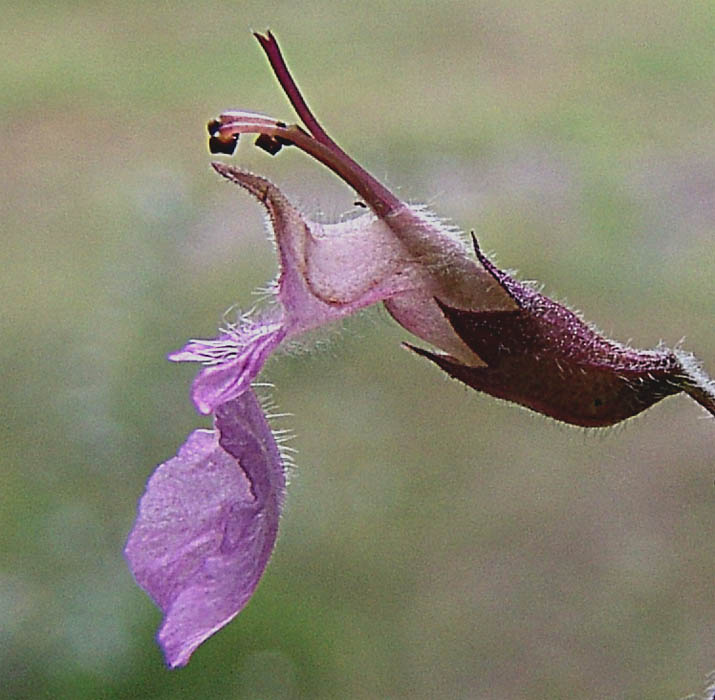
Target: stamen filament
{"points": [[380, 199], [315, 142]]}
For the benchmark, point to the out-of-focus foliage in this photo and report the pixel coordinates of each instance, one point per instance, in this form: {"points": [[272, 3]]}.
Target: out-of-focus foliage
{"points": [[435, 543]]}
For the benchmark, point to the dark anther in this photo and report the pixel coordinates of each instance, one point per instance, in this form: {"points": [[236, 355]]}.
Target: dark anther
{"points": [[219, 145], [282, 125], [360, 203], [213, 126], [270, 144]]}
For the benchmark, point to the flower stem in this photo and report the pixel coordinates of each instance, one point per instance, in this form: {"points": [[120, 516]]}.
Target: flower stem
{"points": [[314, 142], [280, 69]]}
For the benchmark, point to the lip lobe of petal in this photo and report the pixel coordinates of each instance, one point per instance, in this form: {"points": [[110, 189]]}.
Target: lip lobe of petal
{"points": [[206, 526]]}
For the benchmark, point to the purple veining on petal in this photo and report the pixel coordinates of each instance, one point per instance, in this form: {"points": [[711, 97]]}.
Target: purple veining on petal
{"points": [[207, 524]]}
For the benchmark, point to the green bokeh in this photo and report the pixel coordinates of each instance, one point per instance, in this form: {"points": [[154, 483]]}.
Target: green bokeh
{"points": [[436, 543]]}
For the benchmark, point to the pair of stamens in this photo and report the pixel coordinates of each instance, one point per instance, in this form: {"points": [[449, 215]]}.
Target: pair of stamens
{"points": [[273, 134]]}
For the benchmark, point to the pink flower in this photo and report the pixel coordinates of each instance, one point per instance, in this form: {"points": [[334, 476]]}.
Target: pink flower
{"points": [[208, 520]]}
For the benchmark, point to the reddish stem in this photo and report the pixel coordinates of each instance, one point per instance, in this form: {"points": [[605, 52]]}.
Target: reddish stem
{"points": [[369, 188], [280, 69]]}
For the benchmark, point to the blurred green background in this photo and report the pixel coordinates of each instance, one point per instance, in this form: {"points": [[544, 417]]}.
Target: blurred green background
{"points": [[435, 543]]}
